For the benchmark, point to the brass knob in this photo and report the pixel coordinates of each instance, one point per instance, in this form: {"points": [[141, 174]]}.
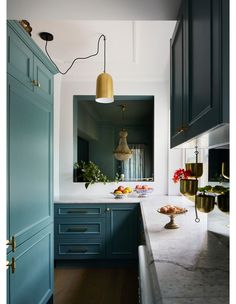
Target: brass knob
{"points": [[11, 264], [12, 242], [36, 83]]}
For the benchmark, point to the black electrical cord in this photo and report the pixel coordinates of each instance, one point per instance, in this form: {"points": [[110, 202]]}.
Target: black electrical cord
{"points": [[81, 58]]}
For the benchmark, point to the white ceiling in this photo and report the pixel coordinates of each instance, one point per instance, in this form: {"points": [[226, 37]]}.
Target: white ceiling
{"points": [[94, 10], [136, 50]]}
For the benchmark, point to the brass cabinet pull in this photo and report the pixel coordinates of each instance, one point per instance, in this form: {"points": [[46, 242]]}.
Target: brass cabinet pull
{"points": [[12, 243], [79, 229], [182, 129], [82, 250], [179, 130], [36, 83], [12, 264], [77, 211]]}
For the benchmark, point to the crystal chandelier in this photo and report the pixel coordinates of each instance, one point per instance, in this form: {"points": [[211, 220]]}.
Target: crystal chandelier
{"points": [[122, 151]]}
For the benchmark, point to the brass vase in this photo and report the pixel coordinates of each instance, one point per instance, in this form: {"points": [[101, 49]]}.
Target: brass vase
{"points": [[195, 168], [205, 203], [188, 186], [223, 202]]}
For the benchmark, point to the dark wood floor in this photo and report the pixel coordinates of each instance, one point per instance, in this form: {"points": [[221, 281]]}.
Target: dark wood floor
{"points": [[96, 285]]}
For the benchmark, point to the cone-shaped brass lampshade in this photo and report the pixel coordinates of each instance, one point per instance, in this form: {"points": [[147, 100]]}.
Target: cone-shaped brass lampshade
{"points": [[104, 90]]}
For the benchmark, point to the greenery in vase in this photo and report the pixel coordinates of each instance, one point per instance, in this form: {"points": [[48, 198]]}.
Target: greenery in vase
{"points": [[216, 189], [89, 173]]}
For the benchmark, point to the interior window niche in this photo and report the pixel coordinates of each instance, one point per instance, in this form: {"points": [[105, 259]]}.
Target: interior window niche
{"points": [[218, 165], [96, 130]]}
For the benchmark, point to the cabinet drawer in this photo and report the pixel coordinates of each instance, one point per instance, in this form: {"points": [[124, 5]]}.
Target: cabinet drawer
{"points": [[80, 227], [79, 210], [79, 249]]}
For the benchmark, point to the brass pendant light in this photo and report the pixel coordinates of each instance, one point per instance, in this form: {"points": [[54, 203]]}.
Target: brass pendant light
{"points": [[104, 88]]}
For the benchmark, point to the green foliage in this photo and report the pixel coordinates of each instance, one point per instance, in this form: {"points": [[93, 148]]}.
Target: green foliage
{"points": [[216, 189], [89, 173], [117, 177]]}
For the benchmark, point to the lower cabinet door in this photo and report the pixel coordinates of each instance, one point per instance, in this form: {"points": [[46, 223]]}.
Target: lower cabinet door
{"points": [[79, 248], [122, 231], [30, 276]]}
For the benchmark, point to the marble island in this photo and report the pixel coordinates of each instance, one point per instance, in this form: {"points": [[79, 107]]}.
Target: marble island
{"points": [[188, 264]]}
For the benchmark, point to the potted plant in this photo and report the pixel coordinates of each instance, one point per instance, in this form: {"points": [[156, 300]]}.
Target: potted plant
{"points": [[205, 201], [187, 186], [89, 173], [222, 197]]}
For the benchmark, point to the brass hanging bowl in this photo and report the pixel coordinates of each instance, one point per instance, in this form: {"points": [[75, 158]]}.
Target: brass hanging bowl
{"points": [[223, 202], [195, 168], [188, 186], [205, 203]]}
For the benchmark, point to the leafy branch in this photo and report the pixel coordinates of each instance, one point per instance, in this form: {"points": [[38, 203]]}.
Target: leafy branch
{"points": [[89, 173]]}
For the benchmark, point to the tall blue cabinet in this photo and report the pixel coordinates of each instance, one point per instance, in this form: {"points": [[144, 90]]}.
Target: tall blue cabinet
{"points": [[30, 171]]}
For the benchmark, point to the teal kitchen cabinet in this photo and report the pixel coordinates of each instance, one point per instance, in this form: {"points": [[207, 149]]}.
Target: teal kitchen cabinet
{"points": [[30, 159], [177, 93], [96, 231], [79, 231], [32, 279], [199, 69], [122, 231], [29, 163], [26, 63]]}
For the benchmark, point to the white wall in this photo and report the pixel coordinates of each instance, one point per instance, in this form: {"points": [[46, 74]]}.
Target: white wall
{"points": [[64, 140], [56, 135]]}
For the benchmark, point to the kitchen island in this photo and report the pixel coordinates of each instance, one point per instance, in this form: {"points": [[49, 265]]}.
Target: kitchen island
{"points": [[188, 264]]}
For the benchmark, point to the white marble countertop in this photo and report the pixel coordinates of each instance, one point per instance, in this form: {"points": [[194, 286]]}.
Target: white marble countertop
{"points": [[93, 199], [189, 264]]}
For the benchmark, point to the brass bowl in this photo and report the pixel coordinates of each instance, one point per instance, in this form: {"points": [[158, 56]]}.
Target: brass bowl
{"points": [[195, 168], [188, 186], [223, 202], [205, 203]]}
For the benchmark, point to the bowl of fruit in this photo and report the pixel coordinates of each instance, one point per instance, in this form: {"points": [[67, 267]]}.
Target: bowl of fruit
{"points": [[143, 190], [122, 192]]}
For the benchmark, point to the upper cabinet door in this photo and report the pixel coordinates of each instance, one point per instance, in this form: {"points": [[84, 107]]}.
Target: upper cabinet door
{"points": [[19, 59], [43, 80], [203, 73], [177, 82], [199, 69]]}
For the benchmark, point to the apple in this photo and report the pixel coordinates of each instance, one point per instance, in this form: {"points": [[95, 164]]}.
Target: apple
{"points": [[121, 188], [145, 187], [138, 187]]}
